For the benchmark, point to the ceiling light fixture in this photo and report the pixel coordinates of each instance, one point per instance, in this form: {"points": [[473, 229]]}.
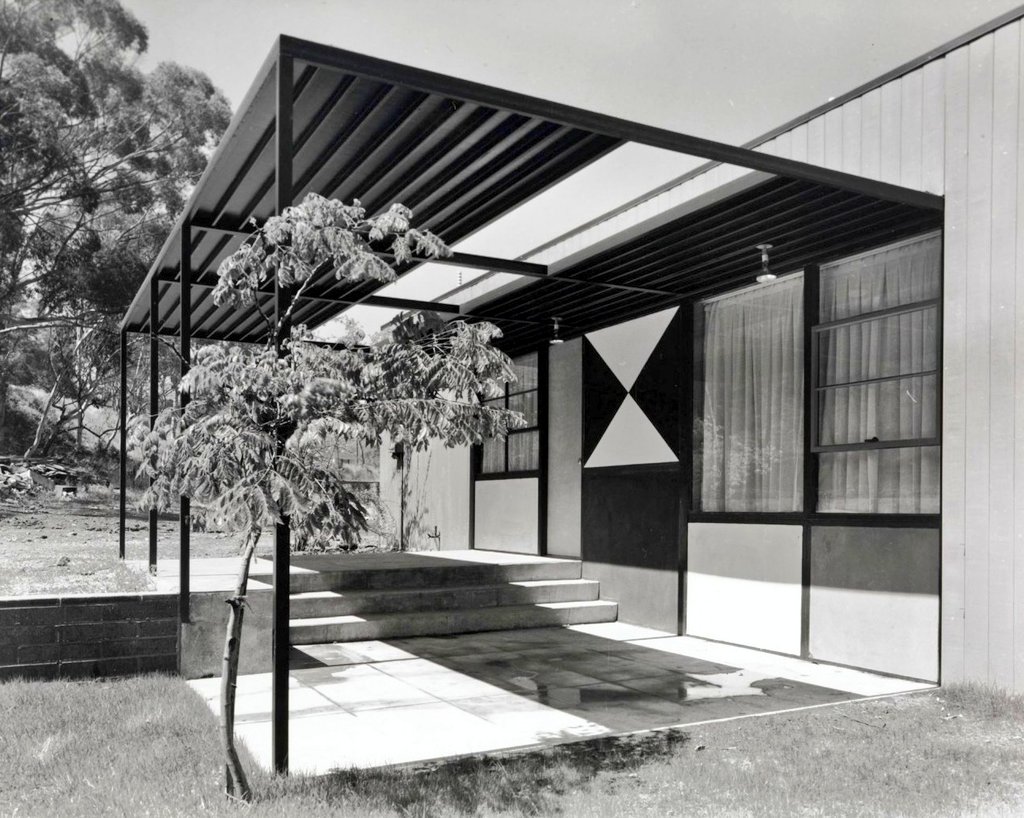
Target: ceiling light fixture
{"points": [[765, 275], [554, 333]]}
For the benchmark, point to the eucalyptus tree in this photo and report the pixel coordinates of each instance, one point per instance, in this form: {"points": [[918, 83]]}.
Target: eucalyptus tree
{"points": [[96, 156]]}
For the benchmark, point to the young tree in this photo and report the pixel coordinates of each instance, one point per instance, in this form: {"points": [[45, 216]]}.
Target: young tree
{"points": [[95, 158], [254, 445]]}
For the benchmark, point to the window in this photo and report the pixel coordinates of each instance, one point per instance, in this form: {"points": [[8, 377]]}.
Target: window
{"points": [[520, 451], [748, 448], [876, 381]]}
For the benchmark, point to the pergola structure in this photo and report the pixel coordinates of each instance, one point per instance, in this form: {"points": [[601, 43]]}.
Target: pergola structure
{"points": [[461, 154]]}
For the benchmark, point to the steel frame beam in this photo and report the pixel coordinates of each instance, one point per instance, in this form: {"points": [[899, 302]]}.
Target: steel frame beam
{"points": [[281, 644], [123, 454], [185, 351], [372, 301], [154, 399]]}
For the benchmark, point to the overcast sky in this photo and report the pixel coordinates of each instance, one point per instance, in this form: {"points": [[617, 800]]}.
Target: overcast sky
{"points": [[722, 69]]}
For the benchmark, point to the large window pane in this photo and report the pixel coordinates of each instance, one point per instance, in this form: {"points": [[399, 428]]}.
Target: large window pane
{"points": [[525, 368], [525, 402], [880, 381], [900, 344], [904, 273], [749, 440], [880, 481], [900, 409], [493, 460], [524, 451]]}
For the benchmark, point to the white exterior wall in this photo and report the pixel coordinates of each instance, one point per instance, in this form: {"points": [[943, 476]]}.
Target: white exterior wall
{"points": [[436, 494]]}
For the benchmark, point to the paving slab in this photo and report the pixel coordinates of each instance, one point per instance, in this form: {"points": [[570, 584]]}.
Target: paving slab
{"points": [[376, 703]]}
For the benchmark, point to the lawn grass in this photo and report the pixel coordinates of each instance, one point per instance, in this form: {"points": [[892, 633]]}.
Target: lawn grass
{"points": [[148, 746]]}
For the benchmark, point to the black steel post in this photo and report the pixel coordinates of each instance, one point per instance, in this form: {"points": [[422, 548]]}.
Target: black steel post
{"points": [[185, 344], [123, 456], [282, 538], [154, 397]]}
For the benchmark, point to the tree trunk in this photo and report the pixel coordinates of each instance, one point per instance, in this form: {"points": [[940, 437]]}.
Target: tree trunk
{"points": [[236, 784], [37, 441], [4, 390]]}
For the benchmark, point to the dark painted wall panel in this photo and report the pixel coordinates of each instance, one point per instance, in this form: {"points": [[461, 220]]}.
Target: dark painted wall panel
{"points": [[874, 599], [631, 517], [896, 560], [646, 596]]}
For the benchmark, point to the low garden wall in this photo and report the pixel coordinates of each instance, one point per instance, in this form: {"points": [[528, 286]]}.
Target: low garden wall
{"points": [[82, 636]]}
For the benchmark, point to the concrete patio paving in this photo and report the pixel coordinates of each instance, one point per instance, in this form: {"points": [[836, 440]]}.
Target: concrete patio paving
{"points": [[368, 704]]}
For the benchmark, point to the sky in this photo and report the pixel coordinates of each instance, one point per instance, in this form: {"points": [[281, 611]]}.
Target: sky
{"points": [[727, 70]]}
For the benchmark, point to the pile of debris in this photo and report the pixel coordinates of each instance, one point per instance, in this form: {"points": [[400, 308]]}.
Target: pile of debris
{"points": [[26, 475], [15, 482]]}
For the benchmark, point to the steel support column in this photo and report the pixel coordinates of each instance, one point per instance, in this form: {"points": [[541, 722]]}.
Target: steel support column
{"points": [[185, 347], [282, 538], [123, 455], [154, 396]]}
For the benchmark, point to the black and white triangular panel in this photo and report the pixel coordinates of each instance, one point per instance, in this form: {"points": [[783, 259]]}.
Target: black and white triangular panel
{"points": [[631, 375]]}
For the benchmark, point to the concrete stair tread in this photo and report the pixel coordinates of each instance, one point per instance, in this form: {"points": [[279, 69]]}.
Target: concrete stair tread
{"points": [[437, 573], [358, 627], [370, 617], [372, 592]]}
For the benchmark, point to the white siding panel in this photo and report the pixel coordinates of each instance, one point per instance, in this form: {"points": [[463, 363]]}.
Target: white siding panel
{"points": [[834, 139], [871, 134], [954, 362], [890, 132], [1001, 409], [851, 136], [911, 123], [1018, 425], [979, 354], [816, 141], [933, 127]]}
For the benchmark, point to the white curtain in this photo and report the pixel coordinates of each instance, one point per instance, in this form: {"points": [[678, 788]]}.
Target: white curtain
{"points": [[897, 480], [752, 423]]}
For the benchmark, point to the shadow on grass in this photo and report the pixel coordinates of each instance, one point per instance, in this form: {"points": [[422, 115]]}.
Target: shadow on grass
{"points": [[529, 783]]}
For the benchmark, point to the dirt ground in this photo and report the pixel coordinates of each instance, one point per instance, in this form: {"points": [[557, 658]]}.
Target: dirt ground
{"points": [[51, 546]]}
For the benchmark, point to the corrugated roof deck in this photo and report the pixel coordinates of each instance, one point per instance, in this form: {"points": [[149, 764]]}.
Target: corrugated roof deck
{"points": [[707, 251], [461, 155], [458, 165]]}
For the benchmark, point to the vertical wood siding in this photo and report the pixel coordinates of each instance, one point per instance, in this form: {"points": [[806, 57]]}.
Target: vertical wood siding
{"points": [[983, 456]]}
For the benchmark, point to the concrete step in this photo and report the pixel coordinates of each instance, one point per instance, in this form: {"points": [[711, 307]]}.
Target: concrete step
{"points": [[341, 603], [463, 620], [430, 576]]}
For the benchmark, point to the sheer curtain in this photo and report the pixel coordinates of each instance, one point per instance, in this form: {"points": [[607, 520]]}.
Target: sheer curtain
{"points": [[752, 420], [899, 347]]}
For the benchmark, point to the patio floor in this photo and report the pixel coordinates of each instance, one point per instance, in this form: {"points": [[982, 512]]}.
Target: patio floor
{"points": [[368, 704]]}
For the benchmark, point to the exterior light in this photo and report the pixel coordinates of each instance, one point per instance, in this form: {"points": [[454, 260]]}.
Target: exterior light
{"points": [[554, 333], [766, 274]]}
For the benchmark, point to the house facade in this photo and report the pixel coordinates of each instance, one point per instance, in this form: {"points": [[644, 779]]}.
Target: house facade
{"points": [[826, 464]]}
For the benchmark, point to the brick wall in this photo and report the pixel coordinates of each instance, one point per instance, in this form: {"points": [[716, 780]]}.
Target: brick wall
{"points": [[87, 636]]}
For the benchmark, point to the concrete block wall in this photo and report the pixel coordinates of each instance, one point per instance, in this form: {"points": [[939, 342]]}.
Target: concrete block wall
{"points": [[85, 636]]}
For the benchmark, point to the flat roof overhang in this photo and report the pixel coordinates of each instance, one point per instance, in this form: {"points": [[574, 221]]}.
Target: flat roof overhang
{"points": [[460, 155]]}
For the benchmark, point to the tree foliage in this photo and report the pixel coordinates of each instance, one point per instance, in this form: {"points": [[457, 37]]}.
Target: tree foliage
{"points": [[95, 159], [256, 442]]}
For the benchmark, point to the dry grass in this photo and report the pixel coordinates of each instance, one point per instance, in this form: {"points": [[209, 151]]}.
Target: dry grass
{"points": [[51, 546], [148, 746]]}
